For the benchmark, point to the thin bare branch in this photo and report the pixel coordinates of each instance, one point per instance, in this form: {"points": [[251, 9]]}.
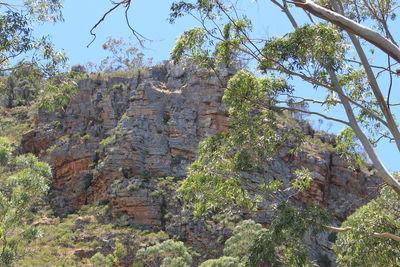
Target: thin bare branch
{"points": [[134, 32], [21, 66], [318, 83], [313, 113], [303, 100], [375, 66], [126, 4], [378, 235], [102, 19]]}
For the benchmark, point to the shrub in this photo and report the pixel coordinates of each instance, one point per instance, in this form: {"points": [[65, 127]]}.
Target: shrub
{"points": [[166, 254]]}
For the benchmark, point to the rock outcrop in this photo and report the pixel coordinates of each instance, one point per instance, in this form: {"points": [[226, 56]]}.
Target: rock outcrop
{"points": [[118, 135], [128, 129]]}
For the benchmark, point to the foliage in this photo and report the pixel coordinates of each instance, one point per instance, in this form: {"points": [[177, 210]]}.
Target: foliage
{"points": [[119, 252], [282, 243], [166, 186], [191, 43], [302, 179], [107, 140], [242, 240], [215, 178], [167, 253], [358, 247], [17, 37], [6, 151], [57, 91], [319, 53], [99, 259], [21, 87], [114, 259], [196, 45], [348, 147], [293, 51], [29, 85], [31, 66], [218, 178], [204, 45], [90, 230], [15, 122], [222, 262], [24, 182]]}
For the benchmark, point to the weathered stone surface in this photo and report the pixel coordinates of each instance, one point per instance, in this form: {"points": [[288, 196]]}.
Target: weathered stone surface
{"points": [[148, 126], [117, 135]]}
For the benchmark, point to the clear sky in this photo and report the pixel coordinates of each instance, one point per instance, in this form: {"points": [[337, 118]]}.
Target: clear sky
{"points": [[150, 19], [147, 17]]}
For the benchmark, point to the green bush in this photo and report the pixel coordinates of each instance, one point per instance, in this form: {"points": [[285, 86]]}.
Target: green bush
{"points": [[223, 262], [5, 151], [169, 253], [243, 238]]}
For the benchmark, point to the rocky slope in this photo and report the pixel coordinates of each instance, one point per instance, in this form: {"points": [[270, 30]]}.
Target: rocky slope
{"points": [[118, 135]]}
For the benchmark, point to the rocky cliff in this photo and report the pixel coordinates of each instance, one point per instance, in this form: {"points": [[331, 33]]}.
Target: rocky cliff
{"points": [[118, 135]]}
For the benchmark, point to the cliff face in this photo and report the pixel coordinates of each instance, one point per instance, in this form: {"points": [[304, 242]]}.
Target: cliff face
{"points": [[118, 135]]}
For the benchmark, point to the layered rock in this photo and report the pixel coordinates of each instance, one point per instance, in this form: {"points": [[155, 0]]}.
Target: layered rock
{"points": [[128, 128], [118, 135]]}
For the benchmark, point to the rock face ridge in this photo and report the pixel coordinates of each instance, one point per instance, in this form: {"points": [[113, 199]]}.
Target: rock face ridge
{"points": [[117, 135]]}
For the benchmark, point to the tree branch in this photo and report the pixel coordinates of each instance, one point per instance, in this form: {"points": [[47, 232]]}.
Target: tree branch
{"points": [[378, 235], [313, 113], [103, 18], [314, 81], [285, 10], [127, 4], [349, 25], [17, 67], [383, 69], [340, 93], [383, 172], [391, 124]]}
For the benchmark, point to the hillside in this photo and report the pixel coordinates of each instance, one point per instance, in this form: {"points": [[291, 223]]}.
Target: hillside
{"points": [[124, 144]]}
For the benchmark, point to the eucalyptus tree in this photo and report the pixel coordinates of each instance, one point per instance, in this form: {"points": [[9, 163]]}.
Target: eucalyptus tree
{"points": [[316, 52], [23, 51], [332, 51], [18, 45]]}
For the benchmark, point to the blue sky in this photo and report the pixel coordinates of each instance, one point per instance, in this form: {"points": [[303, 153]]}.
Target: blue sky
{"points": [[147, 17], [150, 19]]}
